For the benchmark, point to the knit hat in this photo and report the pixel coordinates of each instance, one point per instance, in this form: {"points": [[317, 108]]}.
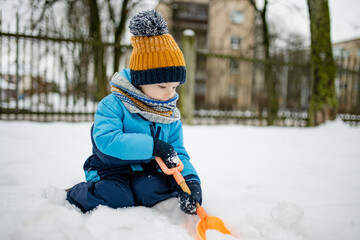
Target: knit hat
{"points": [[156, 58]]}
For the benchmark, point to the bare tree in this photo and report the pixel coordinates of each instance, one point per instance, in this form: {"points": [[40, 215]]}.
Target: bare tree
{"points": [[95, 20], [119, 29], [270, 81], [323, 101]]}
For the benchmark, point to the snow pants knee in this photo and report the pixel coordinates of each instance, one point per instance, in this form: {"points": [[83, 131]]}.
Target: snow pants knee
{"points": [[141, 189]]}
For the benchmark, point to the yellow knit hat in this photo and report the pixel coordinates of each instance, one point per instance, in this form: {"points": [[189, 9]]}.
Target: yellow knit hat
{"points": [[156, 57]]}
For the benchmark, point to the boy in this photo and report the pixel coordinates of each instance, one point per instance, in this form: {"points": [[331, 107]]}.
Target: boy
{"points": [[136, 122]]}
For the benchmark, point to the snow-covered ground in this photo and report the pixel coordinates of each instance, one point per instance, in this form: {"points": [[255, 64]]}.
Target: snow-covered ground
{"points": [[263, 182]]}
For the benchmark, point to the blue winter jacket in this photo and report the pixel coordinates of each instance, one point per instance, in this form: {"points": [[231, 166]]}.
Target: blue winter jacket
{"points": [[123, 141]]}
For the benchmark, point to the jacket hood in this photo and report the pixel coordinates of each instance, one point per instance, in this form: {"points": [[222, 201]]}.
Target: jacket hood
{"points": [[126, 74]]}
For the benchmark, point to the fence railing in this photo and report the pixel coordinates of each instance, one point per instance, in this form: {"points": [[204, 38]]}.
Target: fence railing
{"points": [[45, 78]]}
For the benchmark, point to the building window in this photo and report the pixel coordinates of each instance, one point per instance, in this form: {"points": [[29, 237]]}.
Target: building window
{"points": [[234, 66], [235, 43], [340, 52], [200, 88], [358, 53], [232, 91], [237, 17]]}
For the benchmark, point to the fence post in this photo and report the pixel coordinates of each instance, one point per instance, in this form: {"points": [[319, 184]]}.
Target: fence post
{"points": [[187, 91], [2, 80], [17, 68]]}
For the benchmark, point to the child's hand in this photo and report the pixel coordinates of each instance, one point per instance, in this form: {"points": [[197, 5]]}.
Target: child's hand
{"points": [[188, 202], [166, 152]]}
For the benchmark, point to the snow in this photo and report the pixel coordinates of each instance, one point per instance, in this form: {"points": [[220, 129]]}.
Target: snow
{"points": [[287, 214], [216, 235], [189, 33], [269, 183]]}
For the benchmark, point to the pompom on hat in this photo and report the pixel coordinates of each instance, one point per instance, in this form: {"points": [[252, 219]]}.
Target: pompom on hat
{"points": [[156, 57]]}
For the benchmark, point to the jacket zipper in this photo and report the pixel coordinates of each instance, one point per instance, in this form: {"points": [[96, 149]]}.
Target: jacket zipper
{"points": [[155, 130]]}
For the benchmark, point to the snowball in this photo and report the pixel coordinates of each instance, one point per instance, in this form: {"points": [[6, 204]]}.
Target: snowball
{"points": [[55, 195], [287, 214], [174, 159]]}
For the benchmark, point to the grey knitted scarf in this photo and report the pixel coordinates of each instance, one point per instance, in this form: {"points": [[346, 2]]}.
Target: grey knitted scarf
{"points": [[136, 101]]}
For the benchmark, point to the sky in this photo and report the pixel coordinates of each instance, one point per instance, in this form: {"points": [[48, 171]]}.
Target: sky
{"points": [[289, 15], [292, 16], [346, 19]]}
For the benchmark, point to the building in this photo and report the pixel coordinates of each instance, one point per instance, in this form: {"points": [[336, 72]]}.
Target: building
{"points": [[347, 49], [222, 27], [347, 58]]}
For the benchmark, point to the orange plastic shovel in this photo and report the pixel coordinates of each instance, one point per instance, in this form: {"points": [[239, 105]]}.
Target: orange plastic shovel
{"points": [[206, 222]]}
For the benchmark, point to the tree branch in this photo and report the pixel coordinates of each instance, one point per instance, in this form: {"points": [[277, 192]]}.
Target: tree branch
{"points": [[121, 26], [111, 12], [265, 7], [46, 6]]}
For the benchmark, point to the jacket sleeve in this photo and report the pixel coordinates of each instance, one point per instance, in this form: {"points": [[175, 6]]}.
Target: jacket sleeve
{"points": [[111, 140], [176, 140]]}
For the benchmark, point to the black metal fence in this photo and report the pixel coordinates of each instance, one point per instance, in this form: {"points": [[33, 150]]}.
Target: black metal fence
{"points": [[243, 98], [51, 79], [46, 78]]}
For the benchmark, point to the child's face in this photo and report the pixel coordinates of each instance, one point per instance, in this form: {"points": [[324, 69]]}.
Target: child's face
{"points": [[160, 91]]}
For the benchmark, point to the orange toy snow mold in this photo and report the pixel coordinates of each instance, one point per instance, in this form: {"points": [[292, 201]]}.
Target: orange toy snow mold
{"points": [[206, 222]]}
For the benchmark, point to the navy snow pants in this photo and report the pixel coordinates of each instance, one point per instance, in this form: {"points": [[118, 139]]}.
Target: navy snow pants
{"points": [[140, 189]]}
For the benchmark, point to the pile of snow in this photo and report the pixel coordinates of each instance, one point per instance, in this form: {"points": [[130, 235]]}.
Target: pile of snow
{"points": [[287, 215], [268, 183]]}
